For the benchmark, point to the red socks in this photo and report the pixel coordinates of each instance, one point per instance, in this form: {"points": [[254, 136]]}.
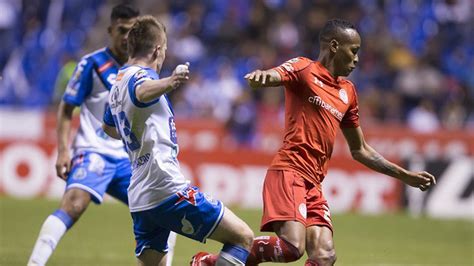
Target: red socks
{"points": [[272, 248], [310, 263]]}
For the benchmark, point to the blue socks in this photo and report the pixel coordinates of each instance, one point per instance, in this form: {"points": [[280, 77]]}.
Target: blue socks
{"points": [[236, 252], [64, 217]]}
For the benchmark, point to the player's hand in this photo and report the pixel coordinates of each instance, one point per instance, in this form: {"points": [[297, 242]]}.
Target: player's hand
{"points": [[422, 180], [180, 75], [257, 77], [63, 164]]}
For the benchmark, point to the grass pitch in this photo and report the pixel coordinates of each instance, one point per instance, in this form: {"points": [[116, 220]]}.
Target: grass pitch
{"points": [[104, 236]]}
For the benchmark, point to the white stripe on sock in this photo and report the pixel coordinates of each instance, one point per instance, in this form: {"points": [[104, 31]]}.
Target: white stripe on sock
{"points": [[225, 259]]}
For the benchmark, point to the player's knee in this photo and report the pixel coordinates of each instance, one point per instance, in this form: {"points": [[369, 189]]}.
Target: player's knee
{"points": [[241, 235], [75, 208], [246, 237], [300, 248], [297, 245], [75, 203], [326, 256]]}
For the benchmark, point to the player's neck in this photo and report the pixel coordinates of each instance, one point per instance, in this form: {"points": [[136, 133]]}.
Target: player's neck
{"points": [[121, 59], [141, 61], [328, 63]]}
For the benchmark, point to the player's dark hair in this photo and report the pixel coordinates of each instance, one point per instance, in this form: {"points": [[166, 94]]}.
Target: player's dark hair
{"points": [[123, 11], [144, 35], [333, 28]]}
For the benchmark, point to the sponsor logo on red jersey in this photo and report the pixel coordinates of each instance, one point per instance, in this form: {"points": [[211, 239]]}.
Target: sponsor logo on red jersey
{"points": [[343, 96], [316, 100]]}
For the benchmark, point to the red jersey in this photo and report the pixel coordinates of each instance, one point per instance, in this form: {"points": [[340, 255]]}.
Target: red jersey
{"points": [[316, 105]]}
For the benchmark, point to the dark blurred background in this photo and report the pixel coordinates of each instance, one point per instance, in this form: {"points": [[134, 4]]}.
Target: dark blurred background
{"points": [[416, 62]]}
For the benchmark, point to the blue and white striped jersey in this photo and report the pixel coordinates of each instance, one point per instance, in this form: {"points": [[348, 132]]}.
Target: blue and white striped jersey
{"points": [[89, 88], [149, 133]]}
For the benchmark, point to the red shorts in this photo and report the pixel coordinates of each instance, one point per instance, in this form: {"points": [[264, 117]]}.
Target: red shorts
{"points": [[287, 196]]}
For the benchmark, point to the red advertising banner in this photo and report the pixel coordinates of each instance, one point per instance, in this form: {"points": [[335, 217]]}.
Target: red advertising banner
{"points": [[211, 159]]}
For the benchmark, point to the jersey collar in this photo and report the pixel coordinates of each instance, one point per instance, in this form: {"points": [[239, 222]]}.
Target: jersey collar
{"points": [[109, 52], [326, 76]]}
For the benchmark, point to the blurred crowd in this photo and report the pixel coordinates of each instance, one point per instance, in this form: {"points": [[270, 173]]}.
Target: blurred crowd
{"points": [[416, 61]]}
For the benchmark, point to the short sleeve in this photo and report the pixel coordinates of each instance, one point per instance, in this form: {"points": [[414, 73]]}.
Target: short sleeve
{"points": [[108, 118], [80, 84], [135, 81], [351, 117], [291, 69]]}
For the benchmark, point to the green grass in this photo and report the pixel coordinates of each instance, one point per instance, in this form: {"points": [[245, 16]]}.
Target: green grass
{"points": [[104, 237]]}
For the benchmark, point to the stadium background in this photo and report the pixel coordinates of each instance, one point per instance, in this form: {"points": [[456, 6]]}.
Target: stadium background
{"points": [[416, 88]]}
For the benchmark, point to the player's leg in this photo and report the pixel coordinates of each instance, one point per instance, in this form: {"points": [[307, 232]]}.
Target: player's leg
{"points": [[320, 246], [150, 257], [284, 212], [151, 239], [117, 188], [319, 240], [171, 245], [83, 185], [198, 216], [237, 238], [73, 204]]}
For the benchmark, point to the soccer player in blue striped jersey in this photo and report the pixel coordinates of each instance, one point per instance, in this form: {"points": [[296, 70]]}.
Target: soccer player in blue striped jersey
{"points": [[160, 198], [99, 163]]}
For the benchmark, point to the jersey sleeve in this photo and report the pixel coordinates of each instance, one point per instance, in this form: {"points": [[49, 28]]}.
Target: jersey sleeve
{"points": [[135, 81], [290, 71], [351, 117], [80, 84], [108, 118]]}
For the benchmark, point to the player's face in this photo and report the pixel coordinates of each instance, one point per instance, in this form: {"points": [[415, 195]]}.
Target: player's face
{"points": [[346, 58], [118, 32]]}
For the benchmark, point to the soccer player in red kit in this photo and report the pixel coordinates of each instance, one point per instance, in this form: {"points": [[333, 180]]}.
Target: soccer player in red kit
{"points": [[318, 101]]}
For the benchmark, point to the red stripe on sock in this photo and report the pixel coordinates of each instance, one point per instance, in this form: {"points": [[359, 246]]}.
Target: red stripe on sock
{"points": [[311, 263], [272, 248]]}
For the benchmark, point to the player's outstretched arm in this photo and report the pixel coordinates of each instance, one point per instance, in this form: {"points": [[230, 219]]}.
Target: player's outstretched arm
{"points": [[63, 129], [363, 153], [150, 90], [263, 78]]}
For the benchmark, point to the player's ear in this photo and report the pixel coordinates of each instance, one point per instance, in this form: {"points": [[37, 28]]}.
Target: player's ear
{"points": [[333, 45], [109, 29], [156, 51]]}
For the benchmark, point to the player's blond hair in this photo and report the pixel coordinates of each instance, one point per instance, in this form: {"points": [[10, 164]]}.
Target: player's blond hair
{"points": [[144, 36]]}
